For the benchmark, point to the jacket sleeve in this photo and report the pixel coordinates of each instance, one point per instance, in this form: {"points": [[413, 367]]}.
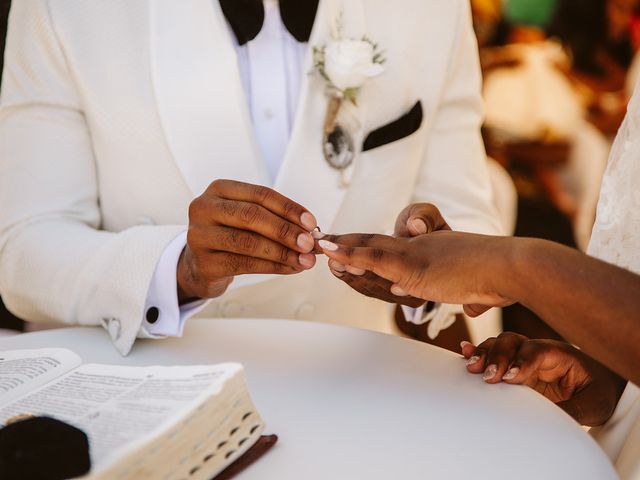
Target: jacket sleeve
{"points": [[454, 175], [56, 264]]}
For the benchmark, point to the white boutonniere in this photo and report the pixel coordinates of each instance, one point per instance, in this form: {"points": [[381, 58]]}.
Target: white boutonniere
{"points": [[345, 64]]}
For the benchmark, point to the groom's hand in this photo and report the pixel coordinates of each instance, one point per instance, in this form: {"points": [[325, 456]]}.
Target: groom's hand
{"points": [[419, 219], [415, 220], [236, 229]]}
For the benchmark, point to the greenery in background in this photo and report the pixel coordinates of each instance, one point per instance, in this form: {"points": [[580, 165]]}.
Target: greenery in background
{"points": [[537, 13]]}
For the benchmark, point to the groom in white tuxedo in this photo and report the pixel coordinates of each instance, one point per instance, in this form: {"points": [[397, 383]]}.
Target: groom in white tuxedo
{"points": [[115, 115]]}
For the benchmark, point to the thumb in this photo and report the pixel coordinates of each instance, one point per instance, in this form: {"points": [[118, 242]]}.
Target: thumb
{"points": [[417, 226], [420, 219]]}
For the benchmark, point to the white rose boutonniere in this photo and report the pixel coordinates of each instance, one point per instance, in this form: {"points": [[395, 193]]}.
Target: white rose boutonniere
{"points": [[345, 64]]}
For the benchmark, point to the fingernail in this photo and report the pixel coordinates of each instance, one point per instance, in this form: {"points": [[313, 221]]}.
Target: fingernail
{"points": [[511, 374], [490, 372], [317, 234], [337, 274], [326, 245], [473, 360], [398, 292], [465, 344], [418, 226], [338, 267], [307, 260], [308, 221], [358, 272], [305, 241]]}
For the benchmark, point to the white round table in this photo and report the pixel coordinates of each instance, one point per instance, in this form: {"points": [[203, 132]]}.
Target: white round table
{"points": [[351, 404]]}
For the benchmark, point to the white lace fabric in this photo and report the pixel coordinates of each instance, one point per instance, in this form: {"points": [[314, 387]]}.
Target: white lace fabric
{"points": [[616, 240]]}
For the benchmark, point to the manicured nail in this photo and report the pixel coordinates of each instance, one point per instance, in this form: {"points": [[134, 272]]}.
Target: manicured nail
{"points": [[305, 241], [473, 360], [465, 344], [490, 372], [511, 374], [418, 226], [317, 234], [398, 292], [337, 274], [307, 260], [330, 246], [338, 267], [358, 272], [308, 221]]}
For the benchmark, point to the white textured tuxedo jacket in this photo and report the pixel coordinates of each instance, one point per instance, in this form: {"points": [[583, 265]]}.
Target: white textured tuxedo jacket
{"points": [[115, 114]]}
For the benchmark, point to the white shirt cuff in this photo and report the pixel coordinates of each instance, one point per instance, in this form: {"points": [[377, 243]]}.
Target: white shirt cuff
{"points": [[414, 315], [164, 317], [440, 318]]}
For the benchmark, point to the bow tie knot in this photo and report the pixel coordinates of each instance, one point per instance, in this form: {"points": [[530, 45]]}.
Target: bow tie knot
{"points": [[246, 17]]}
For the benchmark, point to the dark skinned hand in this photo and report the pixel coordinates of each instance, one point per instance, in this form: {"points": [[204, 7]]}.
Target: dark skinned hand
{"points": [[415, 220], [236, 229], [582, 387]]}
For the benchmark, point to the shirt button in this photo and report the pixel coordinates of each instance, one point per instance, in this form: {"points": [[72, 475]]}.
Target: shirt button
{"points": [[268, 114], [152, 315]]}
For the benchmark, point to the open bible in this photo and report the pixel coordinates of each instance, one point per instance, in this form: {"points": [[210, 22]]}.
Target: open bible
{"points": [[141, 422]]}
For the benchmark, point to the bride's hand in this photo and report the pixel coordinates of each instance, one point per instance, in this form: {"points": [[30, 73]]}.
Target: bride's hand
{"points": [[584, 388], [443, 266], [417, 219]]}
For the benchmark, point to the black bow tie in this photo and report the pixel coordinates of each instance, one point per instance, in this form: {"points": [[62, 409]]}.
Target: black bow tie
{"points": [[247, 16]]}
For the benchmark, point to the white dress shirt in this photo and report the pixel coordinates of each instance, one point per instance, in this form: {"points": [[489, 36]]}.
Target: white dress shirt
{"points": [[271, 69]]}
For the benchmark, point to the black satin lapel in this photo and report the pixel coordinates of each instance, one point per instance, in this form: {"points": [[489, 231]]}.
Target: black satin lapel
{"points": [[401, 128], [299, 16], [245, 17]]}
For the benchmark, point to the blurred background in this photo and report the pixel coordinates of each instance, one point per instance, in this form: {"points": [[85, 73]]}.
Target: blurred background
{"points": [[558, 76]]}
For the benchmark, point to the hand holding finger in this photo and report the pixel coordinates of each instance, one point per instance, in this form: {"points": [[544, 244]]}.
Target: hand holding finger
{"points": [[442, 266], [237, 228], [257, 209], [386, 263], [242, 242], [371, 285], [267, 198], [251, 217]]}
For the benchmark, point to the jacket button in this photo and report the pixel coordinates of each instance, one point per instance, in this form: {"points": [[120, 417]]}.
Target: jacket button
{"points": [[305, 311]]}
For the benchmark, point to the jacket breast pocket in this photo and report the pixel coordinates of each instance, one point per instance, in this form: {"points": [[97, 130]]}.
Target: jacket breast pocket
{"points": [[403, 127]]}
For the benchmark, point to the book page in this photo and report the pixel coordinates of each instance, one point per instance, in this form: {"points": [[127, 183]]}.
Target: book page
{"points": [[119, 406], [24, 370]]}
